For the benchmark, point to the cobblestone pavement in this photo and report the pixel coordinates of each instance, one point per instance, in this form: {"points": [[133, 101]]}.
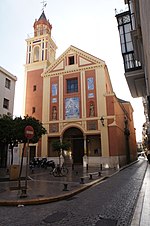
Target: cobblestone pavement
{"points": [[110, 203]]}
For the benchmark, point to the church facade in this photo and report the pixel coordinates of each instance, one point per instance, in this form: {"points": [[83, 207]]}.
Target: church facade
{"points": [[73, 97]]}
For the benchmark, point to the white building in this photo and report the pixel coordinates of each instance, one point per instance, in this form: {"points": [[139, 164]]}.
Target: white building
{"points": [[7, 91]]}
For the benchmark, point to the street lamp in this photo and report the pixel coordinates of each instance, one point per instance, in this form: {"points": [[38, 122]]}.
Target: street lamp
{"points": [[127, 135]]}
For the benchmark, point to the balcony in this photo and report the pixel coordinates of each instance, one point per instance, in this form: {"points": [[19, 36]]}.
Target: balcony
{"points": [[130, 41], [136, 82]]}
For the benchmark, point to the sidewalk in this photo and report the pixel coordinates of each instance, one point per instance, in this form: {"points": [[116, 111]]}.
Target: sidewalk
{"points": [[43, 187], [141, 215]]}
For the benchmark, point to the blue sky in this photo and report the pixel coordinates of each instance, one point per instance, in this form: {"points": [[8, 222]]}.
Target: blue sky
{"points": [[89, 25]]}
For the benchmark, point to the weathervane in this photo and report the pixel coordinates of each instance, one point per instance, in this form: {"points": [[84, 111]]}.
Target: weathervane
{"points": [[44, 4]]}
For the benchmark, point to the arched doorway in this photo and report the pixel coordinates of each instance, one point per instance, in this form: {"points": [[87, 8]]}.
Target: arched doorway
{"points": [[75, 137]]}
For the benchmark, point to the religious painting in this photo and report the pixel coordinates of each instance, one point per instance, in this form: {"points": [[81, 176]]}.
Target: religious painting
{"points": [[72, 108], [54, 89], [90, 82], [90, 95], [54, 100]]}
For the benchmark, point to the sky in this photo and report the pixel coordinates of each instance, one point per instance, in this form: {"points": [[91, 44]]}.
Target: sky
{"points": [[89, 25]]}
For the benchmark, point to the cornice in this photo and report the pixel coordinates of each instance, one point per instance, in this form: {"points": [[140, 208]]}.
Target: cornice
{"points": [[7, 73], [46, 36], [79, 69], [36, 65]]}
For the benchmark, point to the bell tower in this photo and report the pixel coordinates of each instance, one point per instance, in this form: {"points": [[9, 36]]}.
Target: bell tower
{"points": [[41, 50]]}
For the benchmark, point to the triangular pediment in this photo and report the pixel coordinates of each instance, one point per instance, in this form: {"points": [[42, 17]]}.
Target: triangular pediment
{"points": [[60, 66], [81, 59]]}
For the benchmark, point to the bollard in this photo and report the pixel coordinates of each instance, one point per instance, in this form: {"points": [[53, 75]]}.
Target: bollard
{"points": [[65, 187], [101, 167], [81, 180], [99, 174], [23, 193], [91, 177], [87, 167]]}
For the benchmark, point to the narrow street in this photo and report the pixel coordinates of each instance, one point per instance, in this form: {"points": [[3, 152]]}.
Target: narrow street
{"points": [[109, 203]]}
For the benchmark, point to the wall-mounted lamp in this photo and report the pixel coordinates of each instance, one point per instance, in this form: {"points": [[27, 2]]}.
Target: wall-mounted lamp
{"points": [[102, 120]]}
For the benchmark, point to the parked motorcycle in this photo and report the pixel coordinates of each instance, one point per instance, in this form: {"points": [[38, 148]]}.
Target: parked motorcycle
{"points": [[35, 162], [43, 163]]}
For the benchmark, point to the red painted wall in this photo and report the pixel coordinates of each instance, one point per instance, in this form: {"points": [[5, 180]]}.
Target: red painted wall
{"points": [[117, 138], [34, 98]]}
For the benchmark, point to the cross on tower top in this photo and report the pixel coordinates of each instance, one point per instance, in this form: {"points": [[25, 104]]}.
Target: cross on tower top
{"points": [[44, 4]]}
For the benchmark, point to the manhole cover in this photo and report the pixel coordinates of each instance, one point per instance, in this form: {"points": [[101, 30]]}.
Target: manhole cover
{"points": [[55, 217], [106, 222]]}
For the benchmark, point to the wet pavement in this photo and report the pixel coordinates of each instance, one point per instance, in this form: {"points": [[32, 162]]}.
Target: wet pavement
{"points": [[42, 187]]}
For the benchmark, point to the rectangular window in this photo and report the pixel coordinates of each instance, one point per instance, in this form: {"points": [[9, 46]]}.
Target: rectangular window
{"points": [[6, 103], [34, 88], [71, 60], [72, 85], [7, 83], [33, 110]]}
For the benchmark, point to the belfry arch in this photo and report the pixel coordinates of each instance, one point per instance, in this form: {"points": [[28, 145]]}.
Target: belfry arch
{"points": [[76, 138]]}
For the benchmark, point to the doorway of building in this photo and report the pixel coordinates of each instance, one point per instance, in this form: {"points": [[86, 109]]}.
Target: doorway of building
{"points": [[77, 150], [75, 137]]}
